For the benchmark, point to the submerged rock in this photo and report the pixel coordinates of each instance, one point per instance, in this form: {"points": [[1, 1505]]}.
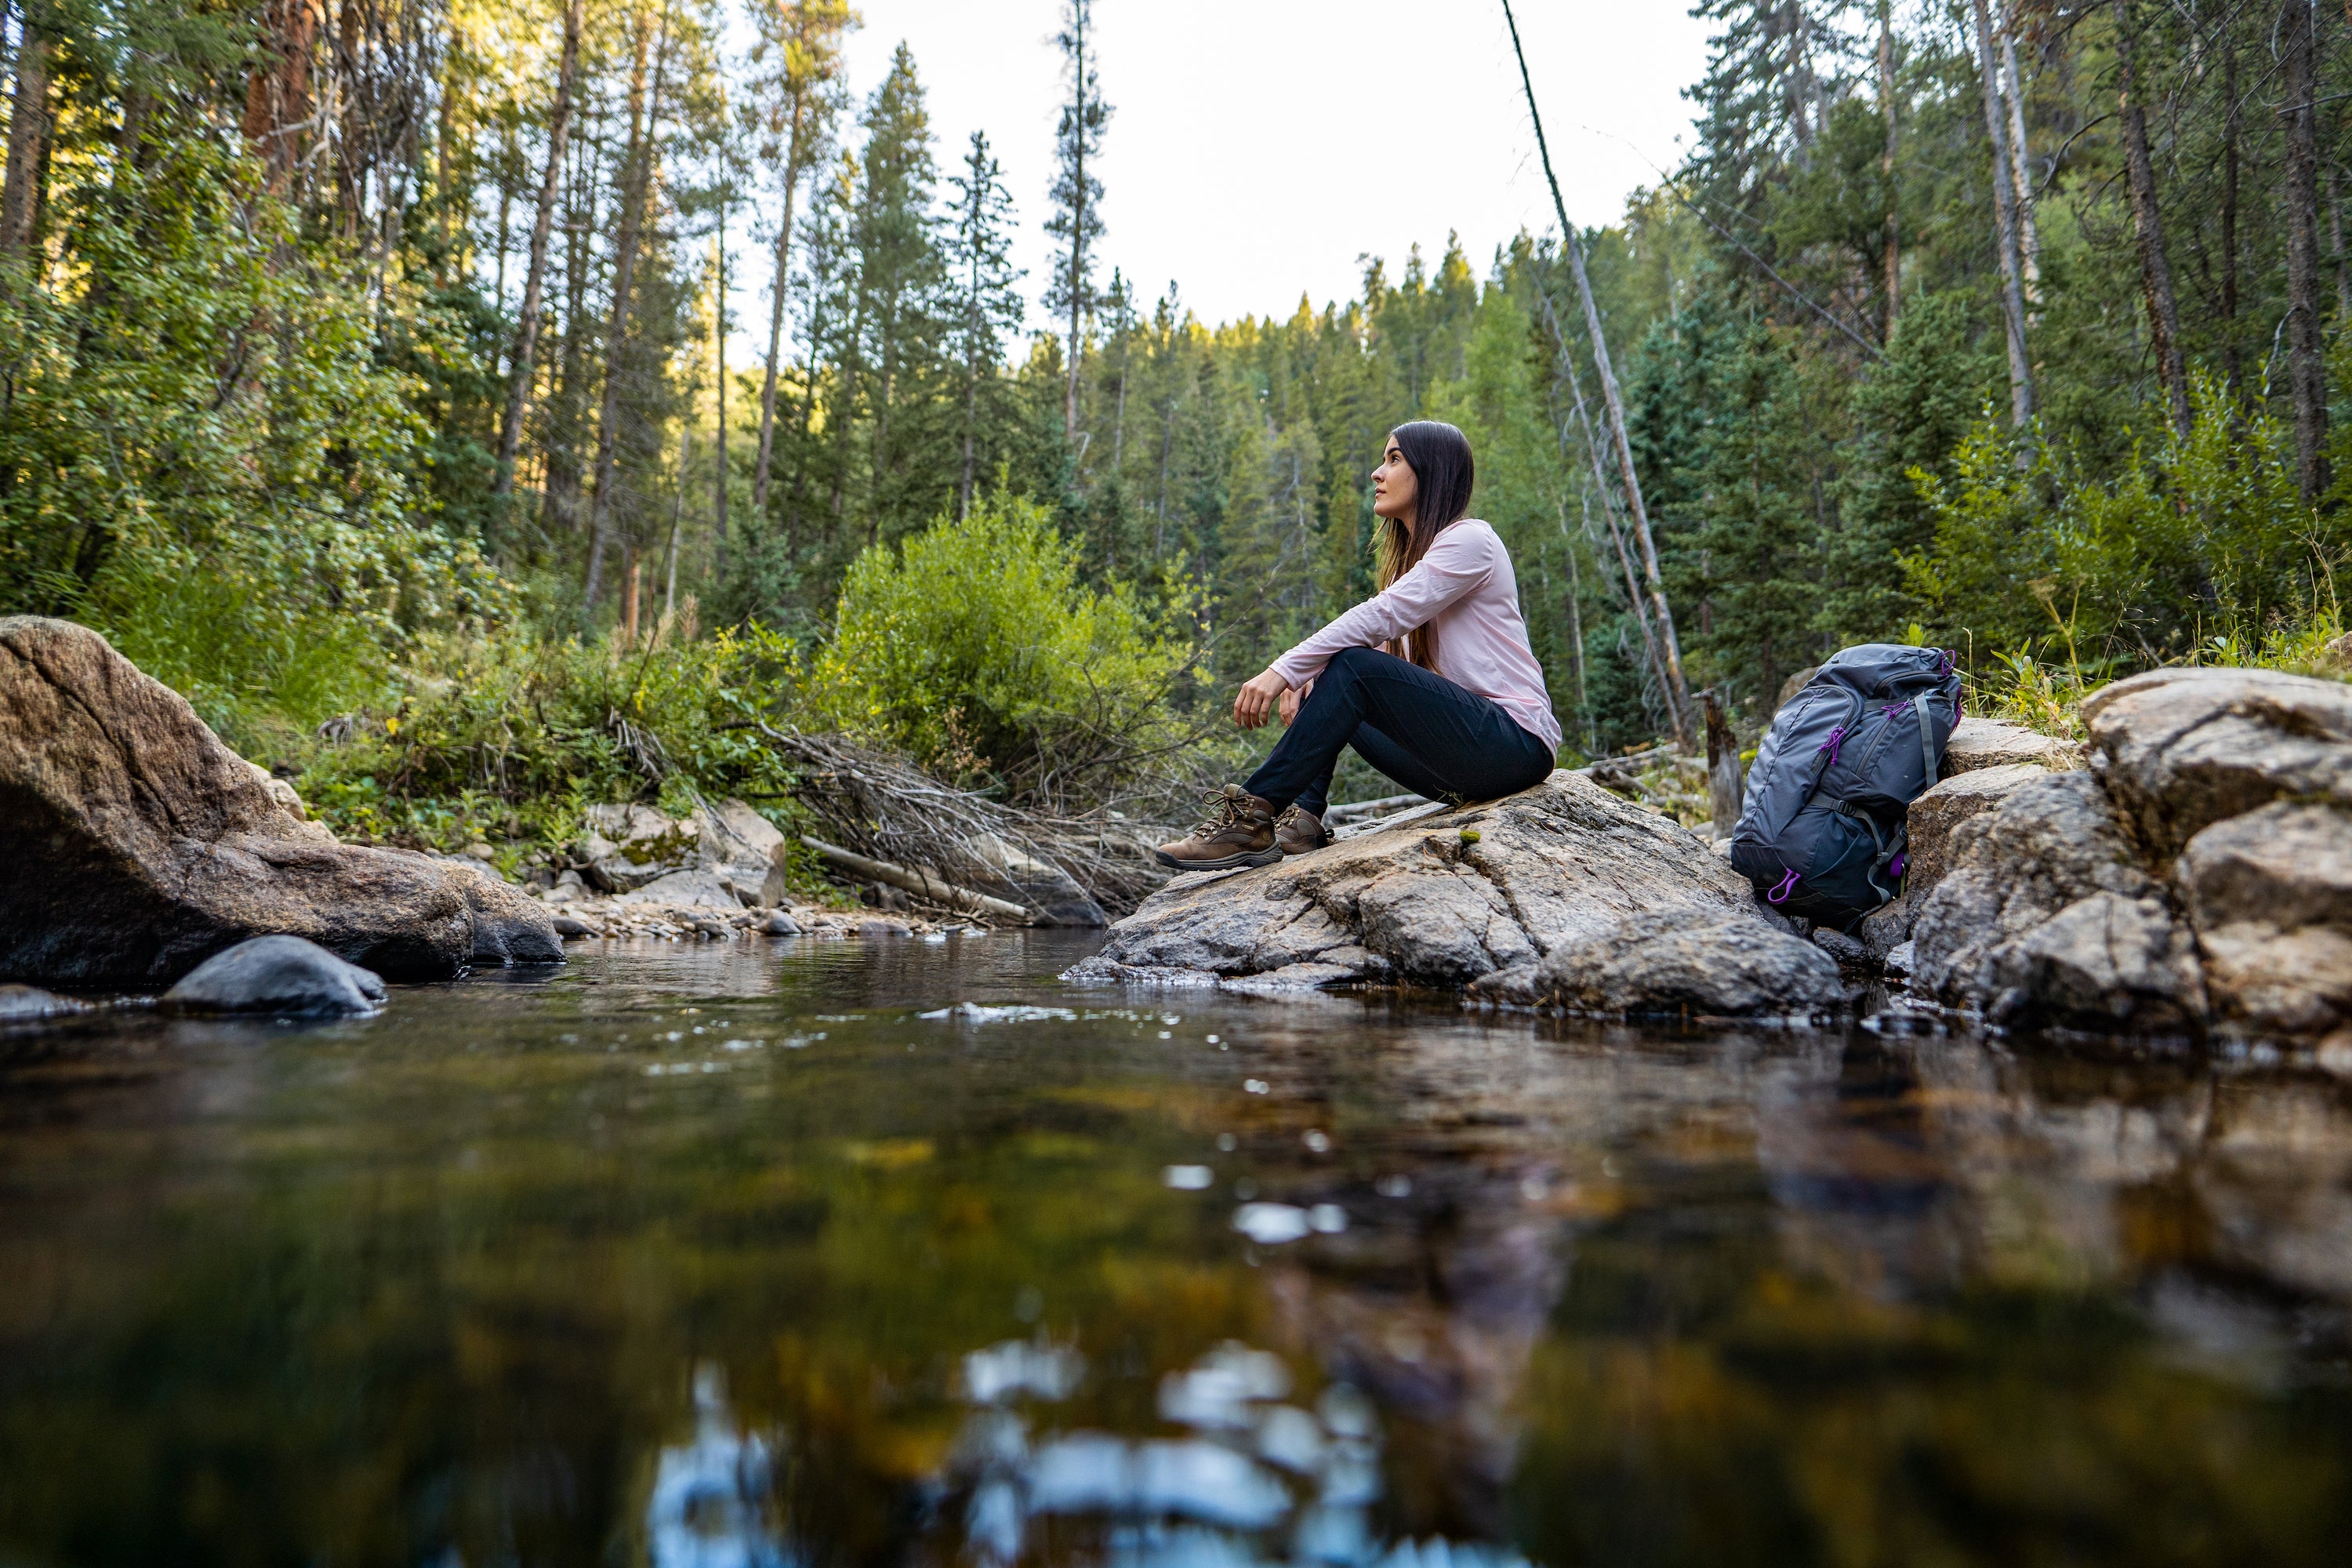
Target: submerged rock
{"points": [[30, 1003], [280, 975], [1447, 899], [138, 844]]}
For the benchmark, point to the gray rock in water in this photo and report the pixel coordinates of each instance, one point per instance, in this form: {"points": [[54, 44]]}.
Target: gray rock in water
{"points": [[572, 930], [2052, 848], [510, 926], [30, 1004], [1723, 965], [2271, 895], [283, 975], [1447, 899], [779, 923], [2183, 749], [136, 843]]}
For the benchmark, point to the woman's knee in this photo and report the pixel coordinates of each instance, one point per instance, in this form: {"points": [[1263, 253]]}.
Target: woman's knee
{"points": [[1351, 662]]}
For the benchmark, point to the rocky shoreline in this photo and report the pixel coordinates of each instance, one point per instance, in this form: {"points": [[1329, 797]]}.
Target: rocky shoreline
{"points": [[2188, 873]]}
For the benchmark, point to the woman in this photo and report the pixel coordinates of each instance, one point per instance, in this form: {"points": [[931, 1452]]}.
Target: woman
{"points": [[1431, 680]]}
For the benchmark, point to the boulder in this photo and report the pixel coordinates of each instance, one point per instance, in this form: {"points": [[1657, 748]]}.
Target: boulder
{"points": [[2045, 917], [1978, 742], [629, 845], [687, 889], [1448, 898], [138, 844], [1723, 963], [1929, 824], [280, 975], [2270, 894], [2183, 749]]}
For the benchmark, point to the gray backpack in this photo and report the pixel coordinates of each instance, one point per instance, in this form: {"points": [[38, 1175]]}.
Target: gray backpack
{"points": [[1821, 831]]}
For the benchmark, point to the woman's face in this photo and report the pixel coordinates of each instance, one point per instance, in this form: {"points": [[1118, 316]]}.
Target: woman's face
{"points": [[1394, 487]]}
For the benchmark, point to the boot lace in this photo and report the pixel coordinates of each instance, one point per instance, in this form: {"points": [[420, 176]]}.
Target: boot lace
{"points": [[1225, 810]]}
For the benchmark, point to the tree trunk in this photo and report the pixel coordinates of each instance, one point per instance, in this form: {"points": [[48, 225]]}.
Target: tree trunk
{"points": [[1894, 284], [559, 132], [1078, 224], [2233, 367], [2148, 226], [625, 262], [2004, 216], [28, 137], [1678, 695], [278, 94], [2335, 236], [2020, 162], [2307, 373], [793, 157], [719, 484], [1723, 779]]}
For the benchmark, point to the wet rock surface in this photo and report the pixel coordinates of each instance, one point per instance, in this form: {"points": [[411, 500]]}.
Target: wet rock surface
{"points": [[278, 975], [1448, 898], [138, 844]]}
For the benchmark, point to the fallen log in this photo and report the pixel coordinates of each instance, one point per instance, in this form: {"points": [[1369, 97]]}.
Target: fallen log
{"points": [[920, 883]]}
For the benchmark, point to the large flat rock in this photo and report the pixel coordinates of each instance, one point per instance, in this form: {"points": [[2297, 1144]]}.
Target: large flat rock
{"points": [[2183, 749], [137, 844], [1979, 742], [1447, 899]]}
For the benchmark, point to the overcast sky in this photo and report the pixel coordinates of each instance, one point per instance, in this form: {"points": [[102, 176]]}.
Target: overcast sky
{"points": [[1258, 147]]}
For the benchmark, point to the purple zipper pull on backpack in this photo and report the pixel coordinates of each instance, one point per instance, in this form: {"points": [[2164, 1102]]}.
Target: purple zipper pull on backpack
{"points": [[1780, 895]]}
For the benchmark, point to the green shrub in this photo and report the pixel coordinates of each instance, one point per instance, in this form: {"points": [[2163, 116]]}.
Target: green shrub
{"points": [[2205, 537], [975, 646], [507, 739]]}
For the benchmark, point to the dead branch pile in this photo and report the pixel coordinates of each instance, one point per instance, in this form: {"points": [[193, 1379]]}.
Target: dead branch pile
{"points": [[880, 805]]}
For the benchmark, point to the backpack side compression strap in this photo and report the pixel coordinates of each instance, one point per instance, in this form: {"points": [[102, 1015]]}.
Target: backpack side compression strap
{"points": [[1926, 745]]}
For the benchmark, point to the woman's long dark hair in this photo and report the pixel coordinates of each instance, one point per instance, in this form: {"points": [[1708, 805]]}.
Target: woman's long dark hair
{"points": [[1443, 476]]}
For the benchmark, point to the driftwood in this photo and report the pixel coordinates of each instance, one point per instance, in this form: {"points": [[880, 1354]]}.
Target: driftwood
{"points": [[1380, 807], [1054, 868], [918, 881]]}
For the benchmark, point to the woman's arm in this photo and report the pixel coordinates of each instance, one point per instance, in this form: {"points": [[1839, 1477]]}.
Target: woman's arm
{"points": [[1459, 559]]}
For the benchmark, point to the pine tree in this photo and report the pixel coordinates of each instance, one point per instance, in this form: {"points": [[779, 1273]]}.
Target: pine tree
{"points": [[1076, 223], [988, 308]]}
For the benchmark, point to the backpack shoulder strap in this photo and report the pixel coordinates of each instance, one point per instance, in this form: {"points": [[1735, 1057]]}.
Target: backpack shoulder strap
{"points": [[1926, 742]]}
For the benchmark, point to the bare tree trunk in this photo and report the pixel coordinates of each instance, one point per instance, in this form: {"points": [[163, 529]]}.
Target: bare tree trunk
{"points": [[2004, 216], [559, 133], [625, 262], [719, 484], [2233, 367], [2020, 162], [1077, 223], [2307, 373], [1678, 695], [793, 157], [678, 515], [1887, 165], [2148, 226], [278, 94], [2336, 235], [28, 140]]}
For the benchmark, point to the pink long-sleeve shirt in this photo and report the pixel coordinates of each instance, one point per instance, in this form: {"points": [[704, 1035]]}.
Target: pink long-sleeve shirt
{"points": [[1463, 591]]}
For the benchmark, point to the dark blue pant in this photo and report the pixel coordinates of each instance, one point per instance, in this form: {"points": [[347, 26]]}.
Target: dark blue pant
{"points": [[1430, 735]]}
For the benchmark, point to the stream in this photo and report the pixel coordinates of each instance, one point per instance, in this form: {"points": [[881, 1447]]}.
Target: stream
{"points": [[753, 1254]]}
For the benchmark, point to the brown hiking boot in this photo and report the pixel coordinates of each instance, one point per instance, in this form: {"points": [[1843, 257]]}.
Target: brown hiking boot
{"points": [[1239, 832], [1299, 831]]}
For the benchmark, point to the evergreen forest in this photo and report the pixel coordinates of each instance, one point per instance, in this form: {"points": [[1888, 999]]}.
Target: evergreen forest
{"points": [[363, 375]]}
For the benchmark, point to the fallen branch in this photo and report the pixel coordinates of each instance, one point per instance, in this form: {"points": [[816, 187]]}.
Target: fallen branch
{"points": [[917, 881], [1386, 804]]}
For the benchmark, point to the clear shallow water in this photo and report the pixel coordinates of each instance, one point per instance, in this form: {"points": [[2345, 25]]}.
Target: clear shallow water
{"points": [[528, 1271]]}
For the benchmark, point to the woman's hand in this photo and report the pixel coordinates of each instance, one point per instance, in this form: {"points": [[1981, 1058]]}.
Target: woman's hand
{"points": [[1256, 699], [1291, 698]]}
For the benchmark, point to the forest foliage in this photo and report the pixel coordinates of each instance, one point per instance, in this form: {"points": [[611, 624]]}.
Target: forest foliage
{"points": [[370, 360]]}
